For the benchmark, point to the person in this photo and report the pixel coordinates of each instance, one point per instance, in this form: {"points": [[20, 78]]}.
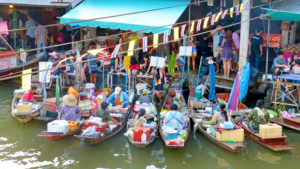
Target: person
{"points": [[227, 52], [296, 67], [218, 117], [159, 86], [73, 91], [279, 64], [59, 39], [202, 44], [145, 98], [257, 116], [55, 71], [92, 64], [144, 66], [174, 119], [70, 69], [29, 95], [256, 48], [292, 60], [70, 110], [30, 32], [104, 114], [180, 66], [41, 34], [118, 98], [218, 36], [236, 40], [21, 25], [140, 119], [194, 54]]}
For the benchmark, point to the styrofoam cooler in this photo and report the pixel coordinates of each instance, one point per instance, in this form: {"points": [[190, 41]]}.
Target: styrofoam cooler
{"points": [[59, 126]]}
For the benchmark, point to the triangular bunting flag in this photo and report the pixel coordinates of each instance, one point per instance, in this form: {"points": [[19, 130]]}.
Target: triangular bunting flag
{"points": [[199, 25], [145, 44], [206, 22], [237, 10], [242, 7], [231, 11], [131, 48], [192, 27], [182, 33], [166, 37], [155, 40], [218, 16], [116, 51], [176, 34], [224, 14], [212, 21]]}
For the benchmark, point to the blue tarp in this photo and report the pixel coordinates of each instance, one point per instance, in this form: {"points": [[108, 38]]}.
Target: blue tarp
{"points": [[244, 82], [290, 76], [90, 9], [212, 83]]}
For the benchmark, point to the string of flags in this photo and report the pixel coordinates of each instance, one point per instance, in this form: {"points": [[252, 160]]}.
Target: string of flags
{"points": [[196, 23]]}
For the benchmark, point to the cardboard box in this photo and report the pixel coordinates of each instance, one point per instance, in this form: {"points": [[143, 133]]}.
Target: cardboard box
{"points": [[270, 130], [24, 108], [231, 135]]}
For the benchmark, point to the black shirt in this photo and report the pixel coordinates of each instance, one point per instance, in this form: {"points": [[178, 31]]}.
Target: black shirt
{"points": [[256, 41]]}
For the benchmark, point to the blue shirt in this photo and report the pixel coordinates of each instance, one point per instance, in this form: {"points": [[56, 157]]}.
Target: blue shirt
{"points": [[276, 60], [70, 64], [93, 62]]}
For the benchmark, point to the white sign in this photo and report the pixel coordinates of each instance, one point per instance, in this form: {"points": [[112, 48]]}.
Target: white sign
{"points": [[159, 61], [185, 51], [23, 55], [44, 72]]}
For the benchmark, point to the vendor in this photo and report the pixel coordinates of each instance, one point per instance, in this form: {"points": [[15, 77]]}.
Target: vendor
{"points": [[104, 114], [257, 116], [145, 98], [218, 117], [29, 95], [70, 110], [140, 119], [174, 118], [73, 91], [279, 64], [118, 98]]}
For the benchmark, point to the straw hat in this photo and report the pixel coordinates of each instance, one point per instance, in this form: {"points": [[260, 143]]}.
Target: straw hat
{"points": [[69, 100], [118, 90]]}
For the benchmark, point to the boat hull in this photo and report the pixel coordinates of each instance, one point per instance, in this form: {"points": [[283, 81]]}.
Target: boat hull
{"points": [[59, 137]]}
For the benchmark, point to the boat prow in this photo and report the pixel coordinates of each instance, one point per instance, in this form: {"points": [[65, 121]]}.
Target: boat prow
{"points": [[58, 136]]}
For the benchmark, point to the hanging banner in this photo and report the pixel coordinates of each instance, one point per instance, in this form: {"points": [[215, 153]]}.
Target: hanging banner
{"points": [[45, 72], [183, 27], [23, 55], [155, 40], [127, 60], [145, 44], [231, 12], [166, 37], [199, 25], [116, 51], [274, 42], [192, 27], [159, 61], [218, 16], [237, 10], [131, 48], [26, 79], [185, 50], [206, 22], [212, 21], [224, 14], [176, 34]]}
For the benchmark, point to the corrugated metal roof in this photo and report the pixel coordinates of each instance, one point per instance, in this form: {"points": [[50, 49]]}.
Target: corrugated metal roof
{"points": [[286, 5], [46, 3]]}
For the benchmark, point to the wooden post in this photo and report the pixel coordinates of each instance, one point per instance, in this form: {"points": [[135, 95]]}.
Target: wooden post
{"points": [[78, 66], [244, 37]]}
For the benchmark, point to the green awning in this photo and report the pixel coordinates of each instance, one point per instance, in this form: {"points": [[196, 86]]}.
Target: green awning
{"points": [[283, 15]]}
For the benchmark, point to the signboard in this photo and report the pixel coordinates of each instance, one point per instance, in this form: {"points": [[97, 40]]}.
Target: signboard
{"points": [[185, 50], [275, 40], [127, 60], [26, 79], [3, 28], [285, 25], [44, 72], [15, 20], [9, 60], [23, 55], [159, 61]]}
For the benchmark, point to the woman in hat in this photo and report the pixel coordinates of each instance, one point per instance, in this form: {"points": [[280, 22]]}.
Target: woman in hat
{"points": [[70, 110], [118, 98]]}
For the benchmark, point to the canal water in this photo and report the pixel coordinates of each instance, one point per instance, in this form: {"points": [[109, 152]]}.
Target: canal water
{"points": [[20, 148]]}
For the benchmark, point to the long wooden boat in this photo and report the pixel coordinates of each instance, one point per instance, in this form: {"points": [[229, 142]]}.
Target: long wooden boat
{"points": [[25, 117], [274, 143], [59, 136], [153, 122], [122, 120], [49, 112], [289, 123], [232, 147], [16, 72], [182, 107]]}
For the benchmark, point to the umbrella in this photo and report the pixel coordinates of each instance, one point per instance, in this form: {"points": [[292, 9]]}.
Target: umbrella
{"points": [[234, 95], [244, 82], [212, 83]]}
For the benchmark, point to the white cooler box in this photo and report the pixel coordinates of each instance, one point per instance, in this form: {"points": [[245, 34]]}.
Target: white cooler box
{"points": [[59, 126]]}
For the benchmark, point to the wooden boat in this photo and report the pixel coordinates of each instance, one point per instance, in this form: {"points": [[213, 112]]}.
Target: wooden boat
{"points": [[16, 72], [154, 127], [122, 120], [195, 115], [182, 107], [25, 117], [50, 111], [58, 136], [274, 143], [293, 123]]}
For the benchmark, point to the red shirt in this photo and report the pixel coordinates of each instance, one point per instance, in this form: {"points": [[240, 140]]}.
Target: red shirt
{"points": [[59, 38], [28, 96]]}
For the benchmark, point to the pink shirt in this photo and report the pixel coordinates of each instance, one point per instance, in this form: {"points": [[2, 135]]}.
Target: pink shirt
{"points": [[28, 96]]}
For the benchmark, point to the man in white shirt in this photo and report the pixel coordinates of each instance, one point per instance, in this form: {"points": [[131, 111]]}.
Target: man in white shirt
{"points": [[41, 40], [30, 33]]}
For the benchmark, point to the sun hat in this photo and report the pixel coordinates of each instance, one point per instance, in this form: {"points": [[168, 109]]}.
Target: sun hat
{"points": [[54, 54], [69, 100], [118, 90]]}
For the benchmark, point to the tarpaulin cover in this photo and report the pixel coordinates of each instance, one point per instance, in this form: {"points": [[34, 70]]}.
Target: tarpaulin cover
{"points": [[244, 82], [290, 76], [90, 9], [283, 15]]}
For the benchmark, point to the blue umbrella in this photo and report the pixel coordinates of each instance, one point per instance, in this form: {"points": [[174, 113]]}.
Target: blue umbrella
{"points": [[212, 83], [244, 82]]}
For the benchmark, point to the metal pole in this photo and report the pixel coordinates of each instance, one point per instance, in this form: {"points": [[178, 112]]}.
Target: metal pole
{"points": [[183, 66], [103, 78], [78, 66], [268, 43], [189, 39]]}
